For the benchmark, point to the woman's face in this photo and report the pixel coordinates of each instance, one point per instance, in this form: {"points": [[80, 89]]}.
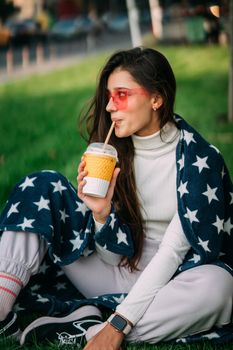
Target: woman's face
{"points": [[131, 106]]}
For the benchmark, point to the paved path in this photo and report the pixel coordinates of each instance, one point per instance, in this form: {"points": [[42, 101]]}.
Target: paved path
{"points": [[49, 64], [20, 72]]}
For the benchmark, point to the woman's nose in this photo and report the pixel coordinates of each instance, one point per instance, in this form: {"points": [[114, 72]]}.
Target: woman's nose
{"points": [[111, 106]]}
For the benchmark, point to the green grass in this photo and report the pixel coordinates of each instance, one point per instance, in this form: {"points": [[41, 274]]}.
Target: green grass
{"points": [[10, 345], [39, 115], [39, 118]]}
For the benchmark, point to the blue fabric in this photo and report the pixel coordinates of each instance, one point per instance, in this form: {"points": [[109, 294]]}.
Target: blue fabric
{"points": [[46, 203], [205, 200]]}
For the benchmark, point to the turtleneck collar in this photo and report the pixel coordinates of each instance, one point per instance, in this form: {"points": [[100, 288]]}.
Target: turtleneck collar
{"points": [[158, 140]]}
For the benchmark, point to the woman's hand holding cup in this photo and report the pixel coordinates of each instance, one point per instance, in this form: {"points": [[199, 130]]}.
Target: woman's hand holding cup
{"points": [[100, 207]]}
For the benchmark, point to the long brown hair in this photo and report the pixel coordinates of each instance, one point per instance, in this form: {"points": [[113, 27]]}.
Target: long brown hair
{"points": [[151, 70]]}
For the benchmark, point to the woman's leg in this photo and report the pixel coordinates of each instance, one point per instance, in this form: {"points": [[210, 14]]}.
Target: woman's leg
{"points": [[46, 204], [20, 256], [92, 276], [192, 302]]}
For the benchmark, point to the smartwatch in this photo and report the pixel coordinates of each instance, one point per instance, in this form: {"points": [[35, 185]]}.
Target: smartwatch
{"points": [[119, 323]]}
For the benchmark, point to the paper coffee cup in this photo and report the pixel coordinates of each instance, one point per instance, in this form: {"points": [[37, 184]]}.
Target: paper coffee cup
{"points": [[100, 163]]}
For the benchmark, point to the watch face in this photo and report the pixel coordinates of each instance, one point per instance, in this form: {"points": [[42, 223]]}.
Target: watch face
{"points": [[119, 322]]}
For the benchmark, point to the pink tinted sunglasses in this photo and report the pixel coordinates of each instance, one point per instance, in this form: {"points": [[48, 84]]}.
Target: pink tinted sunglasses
{"points": [[120, 96]]}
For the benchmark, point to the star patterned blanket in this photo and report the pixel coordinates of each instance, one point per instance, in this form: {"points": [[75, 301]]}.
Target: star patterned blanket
{"points": [[46, 203], [205, 200]]}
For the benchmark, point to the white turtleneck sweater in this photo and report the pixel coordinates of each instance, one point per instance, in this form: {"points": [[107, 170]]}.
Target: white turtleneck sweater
{"points": [[155, 173]]}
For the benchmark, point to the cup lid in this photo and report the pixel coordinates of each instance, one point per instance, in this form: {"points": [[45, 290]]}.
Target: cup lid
{"points": [[101, 148]]}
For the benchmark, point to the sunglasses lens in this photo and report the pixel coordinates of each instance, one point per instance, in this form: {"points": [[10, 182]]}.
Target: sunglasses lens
{"points": [[120, 99]]}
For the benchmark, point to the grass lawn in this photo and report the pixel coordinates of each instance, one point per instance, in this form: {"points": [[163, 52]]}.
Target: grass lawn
{"points": [[9, 345], [39, 119]]}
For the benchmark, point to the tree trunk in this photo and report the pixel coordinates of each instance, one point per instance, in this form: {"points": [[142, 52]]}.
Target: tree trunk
{"points": [[156, 18], [135, 32], [230, 88]]}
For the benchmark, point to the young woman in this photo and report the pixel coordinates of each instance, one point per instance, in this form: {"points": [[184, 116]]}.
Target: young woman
{"points": [[157, 250]]}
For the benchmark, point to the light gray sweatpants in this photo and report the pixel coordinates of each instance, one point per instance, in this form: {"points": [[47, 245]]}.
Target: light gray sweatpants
{"points": [[192, 302]]}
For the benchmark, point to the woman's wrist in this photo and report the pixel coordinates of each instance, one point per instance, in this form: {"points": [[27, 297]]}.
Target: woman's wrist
{"points": [[114, 332], [101, 217]]}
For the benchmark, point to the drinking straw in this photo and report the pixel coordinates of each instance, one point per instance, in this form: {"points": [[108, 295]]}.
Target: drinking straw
{"points": [[109, 133]]}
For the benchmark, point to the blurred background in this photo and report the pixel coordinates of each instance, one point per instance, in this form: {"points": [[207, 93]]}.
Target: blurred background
{"points": [[36, 29]]}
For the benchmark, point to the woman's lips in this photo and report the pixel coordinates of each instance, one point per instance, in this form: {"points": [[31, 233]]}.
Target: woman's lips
{"points": [[117, 122]]}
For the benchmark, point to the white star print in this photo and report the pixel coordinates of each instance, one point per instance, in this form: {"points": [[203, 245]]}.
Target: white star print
{"points": [[35, 287], [104, 299], [17, 308], [195, 258], [69, 302], [52, 230], [81, 207], [223, 172], [60, 286], [87, 252], [40, 299], [188, 137], [210, 194], [221, 254], [121, 237], [60, 273], [56, 259], [204, 244], [43, 267], [42, 204], [191, 215], [63, 215], [13, 209], [183, 188], [201, 163], [231, 194], [76, 233], [181, 162], [77, 242], [27, 183], [228, 226], [219, 224], [87, 231], [113, 220], [26, 223], [120, 299], [58, 187]]}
